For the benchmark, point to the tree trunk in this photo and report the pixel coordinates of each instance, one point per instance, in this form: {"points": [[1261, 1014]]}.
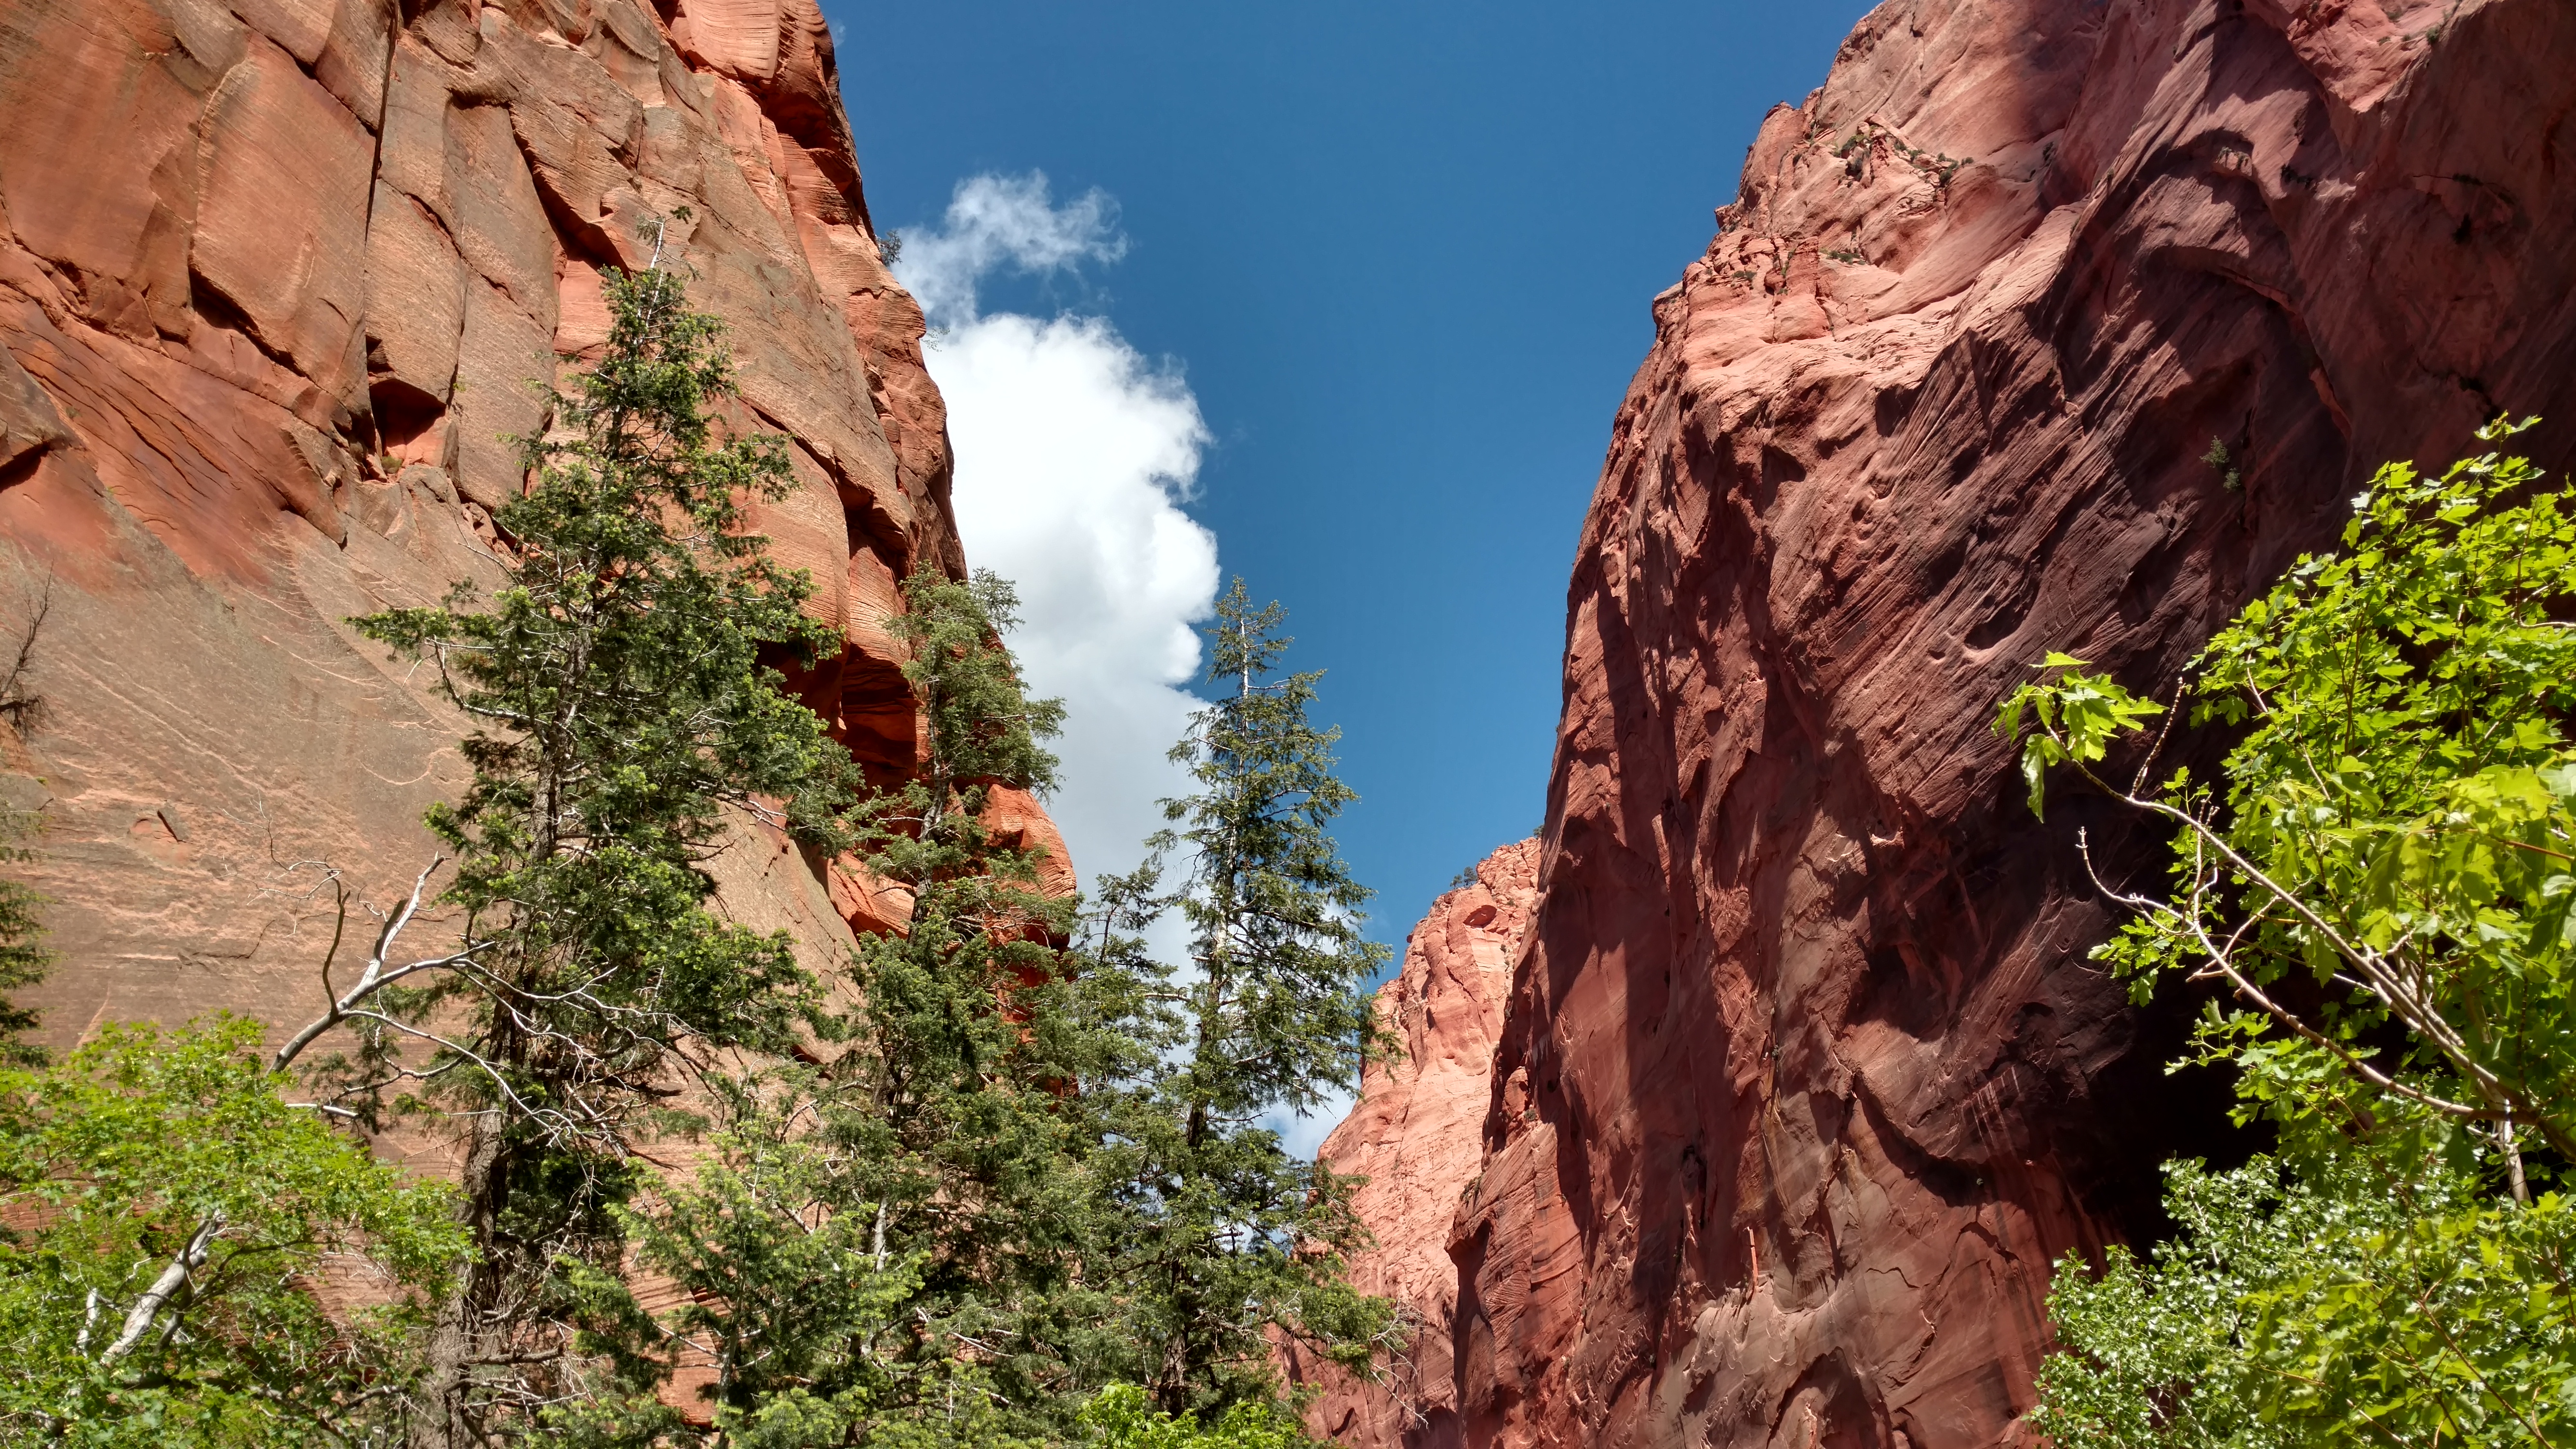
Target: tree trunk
{"points": [[442, 1421]]}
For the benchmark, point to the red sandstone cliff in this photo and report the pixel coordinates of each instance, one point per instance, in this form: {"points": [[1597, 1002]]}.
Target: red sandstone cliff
{"points": [[274, 275], [1804, 1078], [1413, 1134]]}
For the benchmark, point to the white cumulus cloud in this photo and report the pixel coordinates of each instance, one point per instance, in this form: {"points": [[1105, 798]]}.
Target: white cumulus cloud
{"points": [[1074, 454]]}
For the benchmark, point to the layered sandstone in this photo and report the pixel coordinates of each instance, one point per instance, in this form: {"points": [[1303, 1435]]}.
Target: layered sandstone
{"points": [[277, 281], [1805, 1078], [1413, 1136]]}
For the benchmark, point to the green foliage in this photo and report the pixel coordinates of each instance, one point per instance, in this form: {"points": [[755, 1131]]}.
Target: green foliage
{"points": [[2396, 820], [2370, 1306], [894, 1247], [817, 1328], [626, 716], [1280, 1016], [144, 1147], [2078, 716], [2223, 463], [1123, 1418], [23, 957], [955, 1107], [1232, 1237], [982, 729], [1038, 1168], [2384, 884]]}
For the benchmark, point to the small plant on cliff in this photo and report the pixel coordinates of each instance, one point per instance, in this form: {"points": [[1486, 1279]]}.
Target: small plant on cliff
{"points": [[2223, 463], [2384, 883], [623, 706]]}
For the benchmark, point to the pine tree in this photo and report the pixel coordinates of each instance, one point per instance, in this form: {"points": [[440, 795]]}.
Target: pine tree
{"points": [[960, 1117], [1231, 1238], [623, 706], [892, 1248], [23, 957]]}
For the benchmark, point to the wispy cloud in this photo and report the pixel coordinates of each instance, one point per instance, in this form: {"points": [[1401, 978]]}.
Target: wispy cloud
{"points": [[1074, 454], [998, 223]]}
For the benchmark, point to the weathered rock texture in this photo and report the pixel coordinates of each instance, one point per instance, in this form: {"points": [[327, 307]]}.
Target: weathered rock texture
{"points": [[1414, 1135], [275, 278], [1805, 1078]]}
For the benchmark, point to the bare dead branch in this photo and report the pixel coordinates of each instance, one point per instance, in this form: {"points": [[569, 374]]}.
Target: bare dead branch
{"points": [[376, 977], [139, 1320], [19, 703]]}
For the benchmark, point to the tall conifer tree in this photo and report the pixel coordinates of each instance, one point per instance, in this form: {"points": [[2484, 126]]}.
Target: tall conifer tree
{"points": [[622, 705], [1233, 1238], [23, 957], [900, 1242]]}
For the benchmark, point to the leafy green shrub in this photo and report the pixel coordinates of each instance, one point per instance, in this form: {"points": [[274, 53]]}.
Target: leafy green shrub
{"points": [[2384, 884], [1121, 1418], [168, 1224], [2366, 1307]]}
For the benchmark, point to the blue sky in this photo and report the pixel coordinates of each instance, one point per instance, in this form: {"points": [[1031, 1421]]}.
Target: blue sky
{"points": [[1397, 256]]}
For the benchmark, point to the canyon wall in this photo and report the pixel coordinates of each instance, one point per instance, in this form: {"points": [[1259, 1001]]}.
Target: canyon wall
{"points": [[1804, 1078], [1414, 1137], [279, 279]]}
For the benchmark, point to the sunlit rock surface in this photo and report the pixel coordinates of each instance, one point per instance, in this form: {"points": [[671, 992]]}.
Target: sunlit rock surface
{"points": [[275, 280], [1414, 1135], [1804, 1078]]}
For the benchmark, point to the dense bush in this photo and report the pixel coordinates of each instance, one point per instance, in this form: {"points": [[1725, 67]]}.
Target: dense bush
{"points": [[2382, 881], [189, 1259]]}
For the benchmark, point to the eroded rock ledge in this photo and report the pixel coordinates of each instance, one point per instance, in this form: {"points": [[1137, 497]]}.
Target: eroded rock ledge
{"points": [[275, 278]]}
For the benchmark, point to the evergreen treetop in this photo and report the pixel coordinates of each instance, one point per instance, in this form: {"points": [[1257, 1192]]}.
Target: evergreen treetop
{"points": [[626, 717], [1229, 1237], [1279, 1019]]}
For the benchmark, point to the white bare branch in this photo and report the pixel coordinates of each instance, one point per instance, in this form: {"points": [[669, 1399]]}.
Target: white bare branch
{"points": [[376, 977], [147, 1309]]}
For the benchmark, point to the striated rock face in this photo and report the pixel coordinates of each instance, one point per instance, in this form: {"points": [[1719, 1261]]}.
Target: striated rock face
{"points": [[1805, 1078], [275, 277], [1414, 1134]]}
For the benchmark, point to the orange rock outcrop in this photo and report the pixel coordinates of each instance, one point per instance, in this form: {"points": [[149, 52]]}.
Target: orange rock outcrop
{"points": [[1805, 1079], [1414, 1137], [276, 277]]}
